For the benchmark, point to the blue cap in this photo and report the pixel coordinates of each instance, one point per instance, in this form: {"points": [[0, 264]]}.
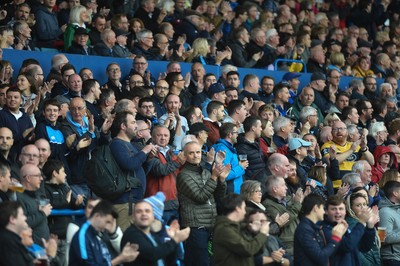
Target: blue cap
{"points": [[295, 143], [215, 88], [290, 75]]}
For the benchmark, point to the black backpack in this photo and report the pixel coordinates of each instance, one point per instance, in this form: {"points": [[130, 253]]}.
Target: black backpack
{"points": [[104, 177]]}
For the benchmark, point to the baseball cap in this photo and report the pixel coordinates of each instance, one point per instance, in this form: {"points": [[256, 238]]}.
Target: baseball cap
{"points": [[317, 76], [81, 31], [296, 143], [290, 75], [215, 88]]}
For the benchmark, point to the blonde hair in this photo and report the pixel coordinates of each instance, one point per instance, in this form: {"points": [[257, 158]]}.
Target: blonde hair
{"points": [[330, 118], [200, 47]]}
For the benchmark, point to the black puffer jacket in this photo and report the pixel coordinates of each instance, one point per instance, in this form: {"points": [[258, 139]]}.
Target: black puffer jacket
{"points": [[256, 169]]}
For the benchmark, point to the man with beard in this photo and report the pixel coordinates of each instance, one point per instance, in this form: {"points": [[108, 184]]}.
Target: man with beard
{"points": [[347, 152], [130, 159], [248, 144], [370, 87], [160, 93], [229, 134], [176, 123], [146, 111], [365, 110]]}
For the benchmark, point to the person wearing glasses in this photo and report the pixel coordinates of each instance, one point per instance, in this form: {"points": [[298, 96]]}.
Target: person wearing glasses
{"points": [[36, 209], [347, 152], [229, 134], [81, 136]]}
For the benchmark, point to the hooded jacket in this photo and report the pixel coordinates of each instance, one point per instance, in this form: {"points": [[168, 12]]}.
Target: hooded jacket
{"points": [[389, 213], [377, 170]]}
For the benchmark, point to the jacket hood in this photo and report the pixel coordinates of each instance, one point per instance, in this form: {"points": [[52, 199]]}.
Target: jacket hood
{"points": [[380, 150], [385, 202]]}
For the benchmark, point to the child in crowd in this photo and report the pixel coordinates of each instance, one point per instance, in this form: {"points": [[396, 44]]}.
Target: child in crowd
{"points": [[60, 196]]}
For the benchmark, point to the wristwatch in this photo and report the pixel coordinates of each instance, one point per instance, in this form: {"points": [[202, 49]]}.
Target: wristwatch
{"points": [[282, 261]]}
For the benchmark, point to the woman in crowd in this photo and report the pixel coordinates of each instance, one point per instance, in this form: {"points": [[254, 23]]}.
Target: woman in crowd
{"points": [[356, 203], [77, 19], [251, 192], [362, 68], [385, 159]]}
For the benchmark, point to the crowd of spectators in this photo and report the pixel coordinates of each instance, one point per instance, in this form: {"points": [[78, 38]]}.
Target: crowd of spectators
{"points": [[316, 167]]}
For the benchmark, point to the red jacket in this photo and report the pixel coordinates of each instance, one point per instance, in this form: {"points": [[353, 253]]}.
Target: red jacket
{"points": [[165, 183], [377, 171], [213, 135]]}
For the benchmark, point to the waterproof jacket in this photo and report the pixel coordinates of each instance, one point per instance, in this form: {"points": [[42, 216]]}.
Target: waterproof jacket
{"points": [[389, 213], [235, 177], [231, 248], [197, 193]]}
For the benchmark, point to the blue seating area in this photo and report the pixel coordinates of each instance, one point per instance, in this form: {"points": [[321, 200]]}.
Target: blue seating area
{"points": [[98, 65]]}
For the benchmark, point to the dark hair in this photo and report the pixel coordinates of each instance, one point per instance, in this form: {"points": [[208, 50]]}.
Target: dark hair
{"points": [[229, 203], [309, 202], [346, 112], [67, 67], [50, 101], [104, 96], [87, 85], [212, 106], [104, 208], [171, 77], [279, 87], [226, 129], [144, 100], [234, 105], [390, 187], [231, 73], [249, 122], [50, 166], [29, 61], [120, 118], [334, 200], [361, 105], [8, 209]]}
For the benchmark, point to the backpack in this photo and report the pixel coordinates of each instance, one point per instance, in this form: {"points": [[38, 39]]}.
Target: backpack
{"points": [[104, 177]]}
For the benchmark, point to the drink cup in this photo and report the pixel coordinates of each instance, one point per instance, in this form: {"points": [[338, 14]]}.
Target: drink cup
{"points": [[382, 233], [16, 186], [242, 157]]}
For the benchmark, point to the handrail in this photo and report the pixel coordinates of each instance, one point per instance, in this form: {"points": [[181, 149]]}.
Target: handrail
{"points": [[290, 61], [67, 212]]}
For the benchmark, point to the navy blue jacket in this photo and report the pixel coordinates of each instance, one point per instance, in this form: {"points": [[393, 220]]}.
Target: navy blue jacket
{"points": [[355, 240], [311, 247], [148, 253], [86, 248], [7, 119]]}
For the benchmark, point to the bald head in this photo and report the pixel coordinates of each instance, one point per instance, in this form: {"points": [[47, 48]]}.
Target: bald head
{"points": [[278, 164], [44, 151], [31, 177], [6, 141], [29, 155]]}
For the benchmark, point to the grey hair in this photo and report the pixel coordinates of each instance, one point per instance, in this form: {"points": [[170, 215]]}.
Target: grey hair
{"points": [[359, 166], [228, 68], [356, 83], [306, 112], [351, 129], [143, 34], [248, 187], [351, 179], [279, 122], [189, 138], [375, 128], [122, 105]]}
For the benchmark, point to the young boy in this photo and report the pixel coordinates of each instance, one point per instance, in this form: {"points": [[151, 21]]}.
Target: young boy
{"points": [[60, 196]]}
